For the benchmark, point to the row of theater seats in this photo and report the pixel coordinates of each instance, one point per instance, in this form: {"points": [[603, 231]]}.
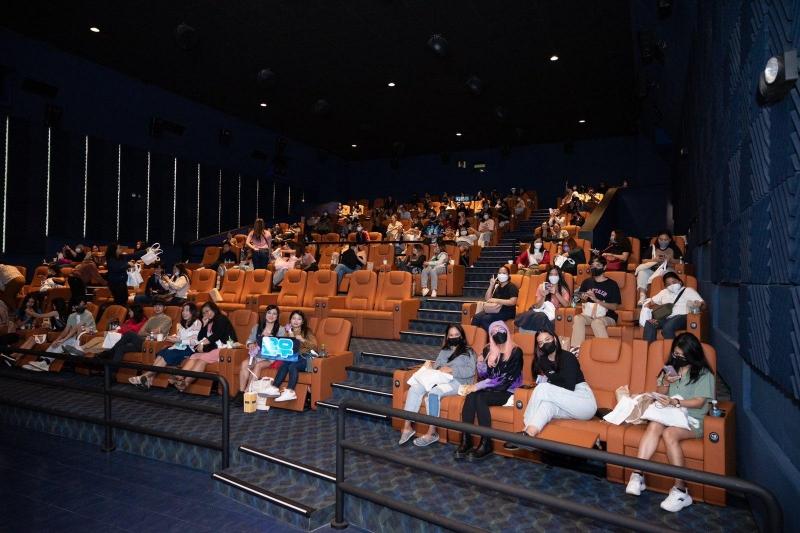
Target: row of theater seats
{"points": [[627, 326], [607, 364]]}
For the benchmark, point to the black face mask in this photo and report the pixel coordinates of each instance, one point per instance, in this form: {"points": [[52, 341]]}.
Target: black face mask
{"points": [[677, 362], [80, 309], [454, 341], [500, 337], [548, 347], [597, 271]]}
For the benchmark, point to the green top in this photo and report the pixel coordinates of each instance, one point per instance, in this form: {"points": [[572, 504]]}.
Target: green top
{"points": [[84, 319], [702, 388]]}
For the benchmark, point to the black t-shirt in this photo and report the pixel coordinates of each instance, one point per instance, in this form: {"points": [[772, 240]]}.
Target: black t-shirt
{"points": [[606, 291], [564, 372], [350, 259], [505, 293]]}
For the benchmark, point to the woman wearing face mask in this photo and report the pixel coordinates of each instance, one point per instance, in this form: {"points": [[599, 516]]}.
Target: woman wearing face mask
{"points": [[362, 235], [457, 358], [499, 374], [551, 294], [177, 285], [500, 300], [675, 293], [485, 230], [693, 381], [617, 252], [530, 260], [663, 250], [561, 390], [573, 255]]}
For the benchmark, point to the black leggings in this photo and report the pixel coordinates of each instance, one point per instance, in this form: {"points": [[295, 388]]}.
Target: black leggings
{"points": [[119, 290], [479, 403]]}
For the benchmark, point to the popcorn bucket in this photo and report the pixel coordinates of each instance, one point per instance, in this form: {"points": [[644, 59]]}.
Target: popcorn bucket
{"points": [[250, 402]]}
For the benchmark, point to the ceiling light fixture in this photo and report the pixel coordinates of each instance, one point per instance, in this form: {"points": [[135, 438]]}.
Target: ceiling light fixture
{"points": [[458, 134], [390, 84], [553, 58], [581, 121], [263, 104], [354, 145], [778, 77], [94, 29]]}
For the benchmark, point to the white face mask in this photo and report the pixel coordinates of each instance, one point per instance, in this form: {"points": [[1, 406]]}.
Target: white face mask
{"points": [[485, 217], [552, 279], [502, 278], [537, 245], [675, 288], [663, 244], [359, 228]]}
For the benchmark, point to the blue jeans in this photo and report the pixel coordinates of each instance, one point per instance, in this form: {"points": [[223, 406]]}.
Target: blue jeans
{"points": [[341, 270], [668, 328], [260, 259], [432, 401], [293, 370]]}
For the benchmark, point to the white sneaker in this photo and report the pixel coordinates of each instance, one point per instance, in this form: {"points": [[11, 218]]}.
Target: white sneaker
{"points": [[135, 380], [272, 391], [676, 500], [425, 291], [635, 485], [286, 396], [433, 294], [38, 366], [642, 298]]}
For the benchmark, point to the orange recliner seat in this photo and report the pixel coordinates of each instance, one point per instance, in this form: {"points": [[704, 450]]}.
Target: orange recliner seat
{"points": [[381, 255], [394, 307], [360, 297], [293, 290], [256, 283], [204, 280], [210, 255], [231, 289], [636, 254], [523, 284], [696, 323], [150, 348], [715, 452], [626, 321]]}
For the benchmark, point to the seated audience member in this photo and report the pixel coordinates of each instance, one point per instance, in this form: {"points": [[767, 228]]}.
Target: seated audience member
{"points": [[536, 256], [83, 275], [555, 218], [600, 296], [519, 206], [51, 281], [576, 219], [153, 288], [184, 341], [394, 231], [133, 323], [268, 327], [325, 224], [663, 251], [414, 232], [691, 387], [286, 261], [413, 263], [499, 369], [58, 321], [29, 311], [308, 261], [554, 233], [429, 276], [485, 230], [680, 298], [11, 281], [177, 286], [456, 358], [362, 235], [500, 301], [75, 255], [215, 330], [80, 321], [297, 328], [503, 215], [259, 241], [227, 258], [551, 295], [158, 324], [572, 254], [351, 259], [404, 213], [561, 390], [617, 252], [433, 229]]}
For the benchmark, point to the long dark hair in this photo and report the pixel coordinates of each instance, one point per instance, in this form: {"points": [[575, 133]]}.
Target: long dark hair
{"points": [[138, 313], [213, 306], [561, 281], [304, 327], [60, 305], [694, 354], [461, 348], [182, 270], [111, 251], [194, 312], [275, 325], [538, 367]]}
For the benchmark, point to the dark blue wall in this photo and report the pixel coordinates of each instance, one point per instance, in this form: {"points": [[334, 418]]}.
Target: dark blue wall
{"points": [[543, 167], [737, 194]]}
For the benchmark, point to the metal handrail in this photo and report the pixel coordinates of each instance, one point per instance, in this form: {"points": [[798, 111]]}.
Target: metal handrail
{"points": [[773, 514], [107, 392]]}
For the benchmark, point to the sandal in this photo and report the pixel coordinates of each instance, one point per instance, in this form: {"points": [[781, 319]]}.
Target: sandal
{"points": [[181, 385]]}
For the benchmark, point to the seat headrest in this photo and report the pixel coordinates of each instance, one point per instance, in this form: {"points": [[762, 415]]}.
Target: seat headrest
{"points": [[605, 350], [395, 277]]}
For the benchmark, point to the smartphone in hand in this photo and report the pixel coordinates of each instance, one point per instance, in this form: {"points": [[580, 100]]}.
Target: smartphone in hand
{"points": [[670, 371]]}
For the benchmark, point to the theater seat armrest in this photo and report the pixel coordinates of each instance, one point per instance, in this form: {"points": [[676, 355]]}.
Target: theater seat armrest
{"points": [[468, 311], [407, 308], [719, 441], [234, 356], [335, 364], [521, 399], [335, 302]]}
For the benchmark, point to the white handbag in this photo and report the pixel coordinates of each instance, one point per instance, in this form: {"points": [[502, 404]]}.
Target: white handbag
{"points": [[152, 254], [135, 276], [669, 415], [111, 339]]}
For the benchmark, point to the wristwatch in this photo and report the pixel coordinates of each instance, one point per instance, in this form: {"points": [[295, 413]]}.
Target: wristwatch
{"points": [[677, 403]]}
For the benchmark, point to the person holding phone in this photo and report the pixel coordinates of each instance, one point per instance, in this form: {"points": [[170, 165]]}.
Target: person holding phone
{"points": [[663, 250], [500, 300], [297, 328], [601, 296], [551, 295], [252, 366], [692, 380]]}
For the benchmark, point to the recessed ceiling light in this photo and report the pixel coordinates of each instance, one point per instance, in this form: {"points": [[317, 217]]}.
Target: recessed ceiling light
{"points": [[263, 104], [554, 58], [94, 29], [458, 134], [354, 145], [390, 84], [581, 121]]}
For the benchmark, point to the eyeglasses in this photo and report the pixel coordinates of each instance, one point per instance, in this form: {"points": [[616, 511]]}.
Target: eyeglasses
{"points": [[678, 355], [542, 342]]}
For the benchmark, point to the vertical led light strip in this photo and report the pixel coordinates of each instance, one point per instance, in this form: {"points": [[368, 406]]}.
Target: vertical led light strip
{"points": [[174, 194], [5, 180], [289, 204], [147, 203], [197, 226], [304, 196], [85, 180], [119, 183], [219, 203], [274, 188], [239, 204], [258, 186], [47, 187]]}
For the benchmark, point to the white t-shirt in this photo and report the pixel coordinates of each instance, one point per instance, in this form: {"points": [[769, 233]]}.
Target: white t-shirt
{"points": [[682, 306]]}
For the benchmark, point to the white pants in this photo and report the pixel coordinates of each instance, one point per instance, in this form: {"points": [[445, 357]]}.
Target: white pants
{"points": [[643, 274], [485, 238], [430, 276], [433, 398], [551, 401]]}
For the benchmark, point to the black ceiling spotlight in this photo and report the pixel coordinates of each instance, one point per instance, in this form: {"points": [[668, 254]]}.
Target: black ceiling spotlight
{"points": [[266, 78], [475, 85], [438, 45], [186, 36], [321, 108], [778, 77]]}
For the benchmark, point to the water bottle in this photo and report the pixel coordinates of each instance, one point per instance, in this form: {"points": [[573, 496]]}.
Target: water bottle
{"points": [[323, 351], [715, 410]]}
